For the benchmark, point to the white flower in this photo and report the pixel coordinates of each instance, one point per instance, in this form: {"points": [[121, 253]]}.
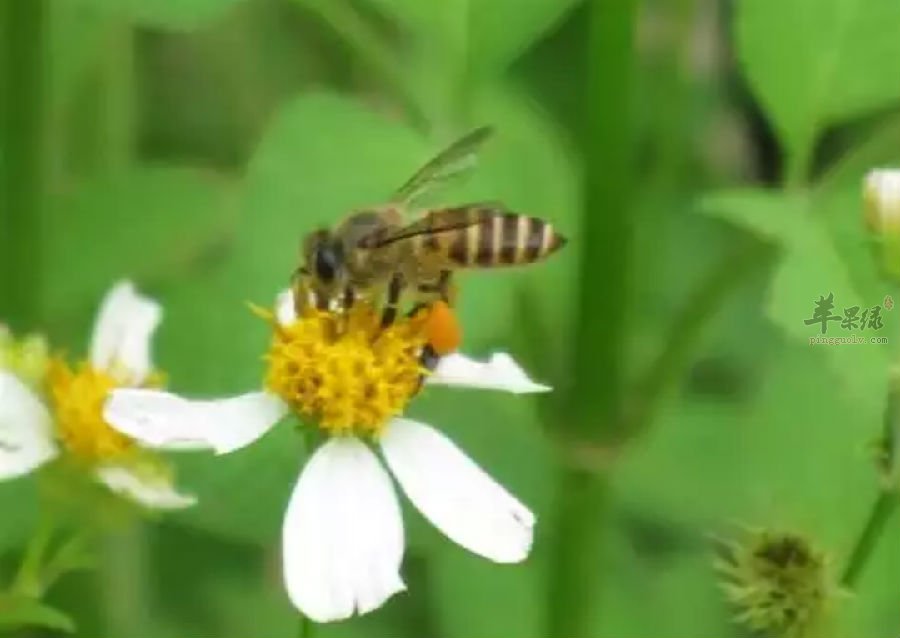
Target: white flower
{"points": [[35, 429], [26, 429], [343, 533]]}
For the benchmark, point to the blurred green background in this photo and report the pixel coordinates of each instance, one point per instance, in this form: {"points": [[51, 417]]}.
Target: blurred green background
{"points": [[705, 157]]}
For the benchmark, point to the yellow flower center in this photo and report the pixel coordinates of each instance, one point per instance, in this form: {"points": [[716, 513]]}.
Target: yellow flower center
{"points": [[343, 371], [77, 397]]}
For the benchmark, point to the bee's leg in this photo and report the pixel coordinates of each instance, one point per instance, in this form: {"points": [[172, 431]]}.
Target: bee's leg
{"points": [[395, 287], [442, 289], [446, 288], [349, 297], [429, 360], [302, 291]]}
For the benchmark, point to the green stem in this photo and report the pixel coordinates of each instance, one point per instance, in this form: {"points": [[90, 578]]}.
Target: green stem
{"points": [[104, 134], [581, 502], [28, 579], [878, 518], [124, 578], [23, 159], [675, 88], [606, 223], [72, 555], [582, 496], [457, 63], [306, 628], [798, 160], [887, 499], [115, 143]]}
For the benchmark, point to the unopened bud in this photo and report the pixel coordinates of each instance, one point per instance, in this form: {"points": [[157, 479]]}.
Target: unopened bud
{"points": [[881, 199]]}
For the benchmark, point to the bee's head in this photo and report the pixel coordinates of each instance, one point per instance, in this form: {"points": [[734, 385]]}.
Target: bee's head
{"points": [[324, 266]]}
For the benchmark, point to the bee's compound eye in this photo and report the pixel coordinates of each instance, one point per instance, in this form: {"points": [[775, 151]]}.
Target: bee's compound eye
{"points": [[327, 263]]}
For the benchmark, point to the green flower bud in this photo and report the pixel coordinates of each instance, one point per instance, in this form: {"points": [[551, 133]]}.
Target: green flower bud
{"points": [[778, 583]]}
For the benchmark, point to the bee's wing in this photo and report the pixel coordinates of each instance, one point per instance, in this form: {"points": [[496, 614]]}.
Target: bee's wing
{"points": [[457, 158], [433, 222]]}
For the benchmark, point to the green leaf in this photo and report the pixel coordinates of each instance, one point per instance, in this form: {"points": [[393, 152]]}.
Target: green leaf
{"points": [[659, 590], [813, 63], [21, 611], [771, 216], [243, 495], [172, 14], [880, 147], [773, 457], [810, 267], [322, 157], [149, 223], [487, 34]]}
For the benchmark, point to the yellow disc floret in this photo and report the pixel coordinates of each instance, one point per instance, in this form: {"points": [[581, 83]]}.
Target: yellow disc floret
{"points": [[77, 397], [344, 372]]}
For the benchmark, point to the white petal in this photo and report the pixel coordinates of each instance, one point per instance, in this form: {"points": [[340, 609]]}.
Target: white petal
{"points": [[154, 492], [883, 185], [26, 429], [343, 535], [163, 420], [500, 373], [285, 311], [122, 333], [457, 496]]}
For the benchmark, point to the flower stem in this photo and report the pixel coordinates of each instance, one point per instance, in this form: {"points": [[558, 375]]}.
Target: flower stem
{"points": [[582, 499], [116, 119], [28, 580], [599, 367], [887, 499], [23, 124], [123, 578], [797, 164], [605, 222], [306, 628], [881, 512]]}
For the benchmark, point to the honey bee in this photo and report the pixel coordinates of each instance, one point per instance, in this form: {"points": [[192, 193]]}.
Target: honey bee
{"points": [[377, 253]]}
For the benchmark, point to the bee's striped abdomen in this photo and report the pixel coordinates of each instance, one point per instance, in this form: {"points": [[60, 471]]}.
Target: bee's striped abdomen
{"points": [[524, 240], [488, 237], [491, 229]]}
